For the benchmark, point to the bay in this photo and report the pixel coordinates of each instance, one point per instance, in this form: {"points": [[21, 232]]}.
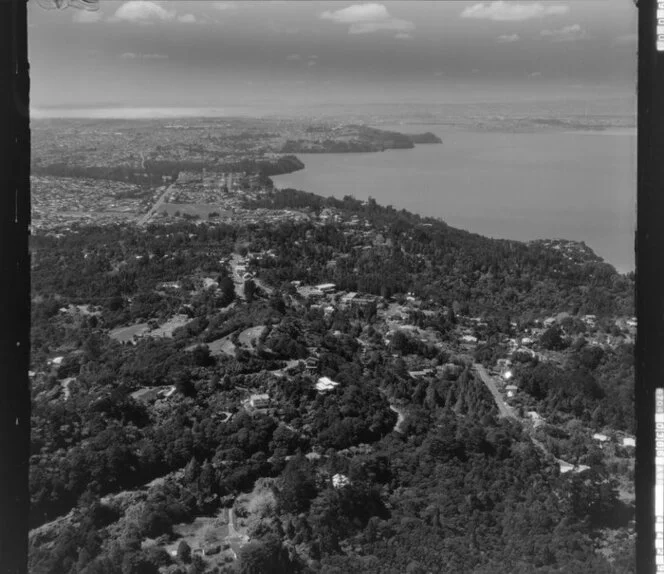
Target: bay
{"points": [[549, 184]]}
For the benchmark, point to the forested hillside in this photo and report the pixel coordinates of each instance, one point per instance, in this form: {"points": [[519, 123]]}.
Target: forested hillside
{"points": [[201, 403]]}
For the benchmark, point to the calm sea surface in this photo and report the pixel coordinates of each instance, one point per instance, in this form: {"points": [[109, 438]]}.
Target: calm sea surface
{"points": [[571, 185]]}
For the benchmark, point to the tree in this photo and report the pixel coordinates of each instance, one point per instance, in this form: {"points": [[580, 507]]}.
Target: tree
{"points": [[552, 339], [184, 384], [250, 290], [184, 551], [202, 357], [227, 288], [297, 486], [264, 556]]}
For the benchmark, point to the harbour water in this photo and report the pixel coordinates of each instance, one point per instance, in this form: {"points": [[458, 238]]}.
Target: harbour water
{"points": [[578, 185]]}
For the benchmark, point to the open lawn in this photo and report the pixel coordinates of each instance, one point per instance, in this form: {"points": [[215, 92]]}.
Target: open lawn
{"points": [[166, 330], [126, 334], [223, 346], [248, 336]]}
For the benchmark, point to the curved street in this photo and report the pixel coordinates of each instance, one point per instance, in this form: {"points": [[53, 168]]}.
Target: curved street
{"points": [[487, 379]]}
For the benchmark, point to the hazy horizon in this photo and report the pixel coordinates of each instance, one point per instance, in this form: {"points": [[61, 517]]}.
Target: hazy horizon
{"points": [[194, 54], [403, 62]]}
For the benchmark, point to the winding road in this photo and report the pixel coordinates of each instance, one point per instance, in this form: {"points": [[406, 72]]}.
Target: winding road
{"points": [[508, 411], [503, 407], [400, 419]]}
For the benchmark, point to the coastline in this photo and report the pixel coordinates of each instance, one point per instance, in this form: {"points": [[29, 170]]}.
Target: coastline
{"points": [[581, 203]]}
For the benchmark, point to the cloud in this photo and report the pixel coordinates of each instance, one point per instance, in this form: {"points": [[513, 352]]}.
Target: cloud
{"points": [[87, 17], [511, 12], [534, 74], [357, 13], [368, 18], [134, 56], [143, 12], [293, 57], [509, 38], [147, 12], [566, 34], [403, 36]]}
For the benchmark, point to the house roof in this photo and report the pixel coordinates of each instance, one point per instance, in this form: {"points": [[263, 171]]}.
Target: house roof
{"points": [[325, 384]]}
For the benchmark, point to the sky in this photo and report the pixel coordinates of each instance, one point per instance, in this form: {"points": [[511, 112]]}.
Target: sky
{"points": [[187, 53]]}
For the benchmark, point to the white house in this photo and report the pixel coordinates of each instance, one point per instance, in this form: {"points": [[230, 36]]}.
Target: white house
{"points": [[340, 480], [325, 384], [629, 441], [600, 437], [535, 417], [260, 401], [327, 287]]}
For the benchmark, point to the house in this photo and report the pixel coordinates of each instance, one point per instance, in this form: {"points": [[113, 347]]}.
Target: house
{"points": [[325, 384], [146, 395], [311, 365], [210, 549], [511, 390], [589, 320], [468, 339], [340, 480], [415, 374], [629, 441], [600, 437], [166, 393], [535, 417], [568, 467], [327, 287], [507, 375], [565, 466], [347, 299], [525, 350], [260, 401]]}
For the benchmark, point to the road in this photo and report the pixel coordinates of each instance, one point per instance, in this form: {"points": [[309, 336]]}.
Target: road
{"points": [[400, 419], [237, 261], [507, 411], [503, 407], [143, 220], [235, 538]]}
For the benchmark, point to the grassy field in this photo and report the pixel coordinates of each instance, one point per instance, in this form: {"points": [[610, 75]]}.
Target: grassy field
{"points": [[126, 334], [247, 336]]}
